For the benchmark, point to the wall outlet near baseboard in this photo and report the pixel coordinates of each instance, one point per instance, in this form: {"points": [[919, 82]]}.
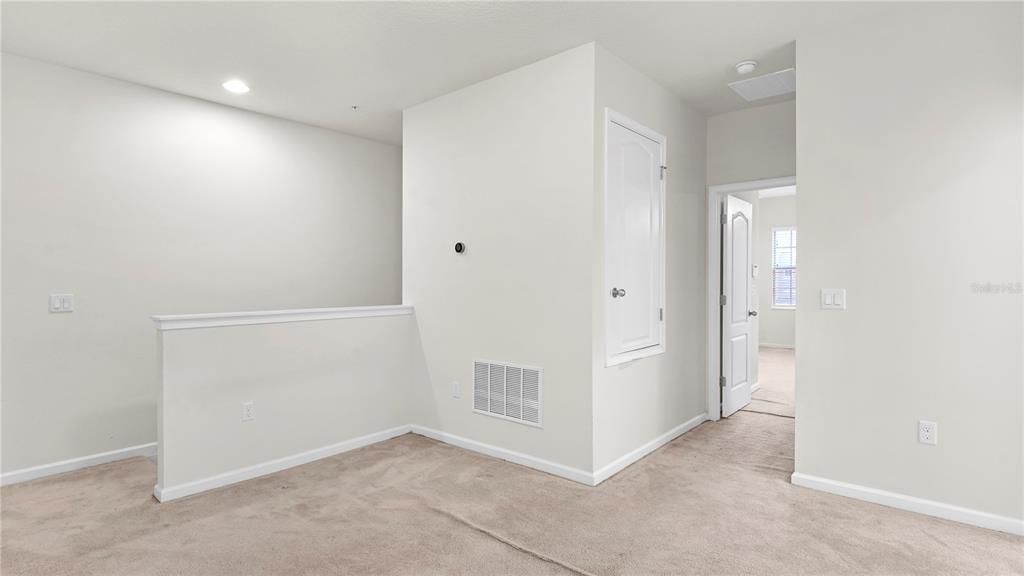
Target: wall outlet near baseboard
{"points": [[927, 432], [248, 411]]}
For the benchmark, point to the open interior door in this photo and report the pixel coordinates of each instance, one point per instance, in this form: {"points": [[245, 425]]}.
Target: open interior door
{"points": [[737, 345]]}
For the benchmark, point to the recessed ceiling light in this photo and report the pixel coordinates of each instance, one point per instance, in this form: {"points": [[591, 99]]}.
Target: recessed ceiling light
{"points": [[746, 67], [236, 86]]}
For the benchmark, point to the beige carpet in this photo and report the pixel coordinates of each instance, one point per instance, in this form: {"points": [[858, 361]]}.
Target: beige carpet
{"points": [[776, 372], [715, 501]]}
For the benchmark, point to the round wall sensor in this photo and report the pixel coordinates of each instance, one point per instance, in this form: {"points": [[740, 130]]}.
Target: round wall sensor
{"points": [[746, 67], [460, 247]]}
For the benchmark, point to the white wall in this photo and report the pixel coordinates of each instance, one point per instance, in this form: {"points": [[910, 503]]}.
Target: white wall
{"points": [[752, 144], [638, 401], [777, 327], [313, 384], [506, 166], [142, 202], [909, 135], [499, 165]]}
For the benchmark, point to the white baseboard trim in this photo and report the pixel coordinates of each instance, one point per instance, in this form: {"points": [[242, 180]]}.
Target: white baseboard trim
{"points": [[626, 460], [35, 472], [912, 504], [166, 494], [755, 387], [568, 472], [770, 345]]}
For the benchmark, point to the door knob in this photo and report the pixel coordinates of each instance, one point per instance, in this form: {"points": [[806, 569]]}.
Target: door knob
{"points": [[617, 292], [752, 313]]}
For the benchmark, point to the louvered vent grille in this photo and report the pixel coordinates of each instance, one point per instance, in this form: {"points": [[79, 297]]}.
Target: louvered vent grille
{"points": [[508, 391], [766, 86]]}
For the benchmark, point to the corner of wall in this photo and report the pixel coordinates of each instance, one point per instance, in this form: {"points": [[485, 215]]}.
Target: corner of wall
{"points": [[628, 422], [521, 144]]}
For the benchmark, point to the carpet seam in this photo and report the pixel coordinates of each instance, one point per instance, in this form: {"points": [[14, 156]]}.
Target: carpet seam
{"points": [[512, 544], [772, 401], [767, 413]]}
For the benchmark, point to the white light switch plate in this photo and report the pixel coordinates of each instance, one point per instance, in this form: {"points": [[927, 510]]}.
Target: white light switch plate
{"points": [[62, 302], [833, 298]]}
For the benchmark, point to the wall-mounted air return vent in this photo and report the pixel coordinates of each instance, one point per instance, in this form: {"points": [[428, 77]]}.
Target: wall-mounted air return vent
{"points": [[766, 86], [508, 391]]}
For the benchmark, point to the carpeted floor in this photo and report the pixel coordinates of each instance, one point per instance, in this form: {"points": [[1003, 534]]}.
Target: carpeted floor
{"points": [[776, 372], [715, 501]]}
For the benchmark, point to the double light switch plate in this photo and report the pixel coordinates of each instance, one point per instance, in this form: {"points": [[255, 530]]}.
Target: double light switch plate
{"points": [[833, 299], [62, 302]]}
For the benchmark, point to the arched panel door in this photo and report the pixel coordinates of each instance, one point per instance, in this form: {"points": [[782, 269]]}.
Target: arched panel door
{"points": [[634, 241], [738, 348]]}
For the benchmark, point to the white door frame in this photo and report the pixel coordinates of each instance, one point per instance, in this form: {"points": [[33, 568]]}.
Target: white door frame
{"points": [[713, 271]]}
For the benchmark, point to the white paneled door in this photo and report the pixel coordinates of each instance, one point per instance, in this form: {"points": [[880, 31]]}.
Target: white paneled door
{"points": [[634, 240], [738, 348]]}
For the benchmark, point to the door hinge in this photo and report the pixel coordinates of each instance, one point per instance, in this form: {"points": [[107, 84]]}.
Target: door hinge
{"points": [[661, 314], [663, 169], [723, 218], [721, 299], [721, 381]]}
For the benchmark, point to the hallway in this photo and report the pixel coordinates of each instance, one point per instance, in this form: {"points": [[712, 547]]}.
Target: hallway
{"points": [[777, 377]]}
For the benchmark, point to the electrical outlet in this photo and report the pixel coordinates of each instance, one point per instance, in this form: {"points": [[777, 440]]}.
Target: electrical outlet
{"points": [[927, 432], [456, 393], [248, 411]]}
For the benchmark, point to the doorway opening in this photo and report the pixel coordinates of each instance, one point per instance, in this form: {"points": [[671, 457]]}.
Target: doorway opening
{"points": [[752, 298]]}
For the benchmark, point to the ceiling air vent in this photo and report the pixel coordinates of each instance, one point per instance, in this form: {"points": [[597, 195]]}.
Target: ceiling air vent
{"points": [[508, 391], [766, 86]]}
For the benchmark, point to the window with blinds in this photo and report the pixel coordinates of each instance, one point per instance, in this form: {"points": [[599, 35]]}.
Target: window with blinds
{"points": [[784, 267]]}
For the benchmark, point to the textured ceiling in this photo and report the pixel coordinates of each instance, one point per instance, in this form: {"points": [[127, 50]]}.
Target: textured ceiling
{"points": [[312, 62]]}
